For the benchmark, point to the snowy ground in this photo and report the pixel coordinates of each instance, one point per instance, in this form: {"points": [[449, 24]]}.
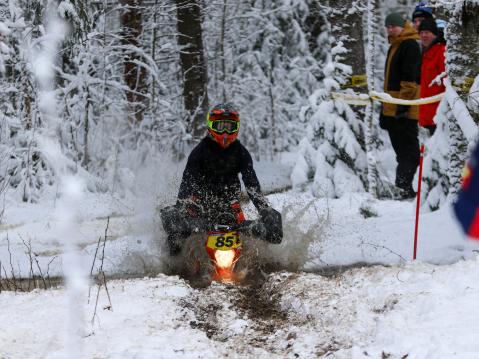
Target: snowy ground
{"points": [[414, 311], [308, 306]]}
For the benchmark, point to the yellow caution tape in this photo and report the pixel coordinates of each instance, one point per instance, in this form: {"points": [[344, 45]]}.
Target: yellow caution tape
{"points": [[352, 99], [359, 81], [382, 97], [356, 81], [363, 99]]}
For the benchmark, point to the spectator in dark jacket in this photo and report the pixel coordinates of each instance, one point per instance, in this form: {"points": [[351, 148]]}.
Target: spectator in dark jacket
{"points": [[401, 81], [433, 64]]}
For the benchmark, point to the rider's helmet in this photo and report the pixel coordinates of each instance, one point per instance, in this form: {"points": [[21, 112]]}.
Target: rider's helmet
{"points": [[223, 124]]}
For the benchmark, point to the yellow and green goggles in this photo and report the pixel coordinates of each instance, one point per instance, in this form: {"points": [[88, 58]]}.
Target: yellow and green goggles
{"points": [[221, 126]]}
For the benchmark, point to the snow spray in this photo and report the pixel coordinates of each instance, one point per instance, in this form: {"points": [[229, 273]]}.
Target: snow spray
{"points": [[418, 199]]}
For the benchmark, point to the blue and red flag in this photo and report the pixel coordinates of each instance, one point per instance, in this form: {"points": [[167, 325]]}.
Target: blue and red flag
{"points": [[467, 205]]}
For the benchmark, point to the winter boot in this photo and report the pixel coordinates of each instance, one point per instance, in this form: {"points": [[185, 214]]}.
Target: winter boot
{"points": [[405, 194]]}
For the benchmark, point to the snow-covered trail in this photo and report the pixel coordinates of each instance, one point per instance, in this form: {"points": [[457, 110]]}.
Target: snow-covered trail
{"points": [[415, 311]]}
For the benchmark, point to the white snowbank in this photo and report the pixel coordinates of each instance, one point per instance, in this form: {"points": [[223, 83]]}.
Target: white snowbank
{"points": [[419, 310]]}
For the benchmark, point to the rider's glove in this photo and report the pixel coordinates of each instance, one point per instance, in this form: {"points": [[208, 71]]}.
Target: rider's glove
{"points": [[192, 211], [191, 206]]}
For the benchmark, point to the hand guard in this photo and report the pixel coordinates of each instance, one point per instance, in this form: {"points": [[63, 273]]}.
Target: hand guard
{"points": [[174, 221], [191, 207], [258, 229], [273, 225]]}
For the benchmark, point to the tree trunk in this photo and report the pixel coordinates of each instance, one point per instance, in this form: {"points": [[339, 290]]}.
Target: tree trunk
{"points": [[193, 65], [154, 39], [370, 137], [347, 26], [462, 35], [274, 133], [86, 124], [222, 51], [315, 24], [133, 74]]}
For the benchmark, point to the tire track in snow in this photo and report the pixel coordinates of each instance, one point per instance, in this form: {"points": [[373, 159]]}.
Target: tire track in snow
{"points": [[293, 315], [244, 318]]}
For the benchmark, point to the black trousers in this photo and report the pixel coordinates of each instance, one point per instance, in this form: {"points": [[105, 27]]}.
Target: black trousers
{"points": [[404, 139]]}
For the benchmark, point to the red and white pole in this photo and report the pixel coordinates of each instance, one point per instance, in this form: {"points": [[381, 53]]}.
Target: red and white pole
{"points": [[418, 199]]}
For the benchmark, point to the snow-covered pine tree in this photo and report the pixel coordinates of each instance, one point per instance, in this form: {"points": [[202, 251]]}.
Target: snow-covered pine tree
{"points": [[448, 148], [165, 125], [90, 88], [462, 65], [91, 94], [462, 37], [24, 168], [5, 108], [435, 181], [96, 135], [270, 68], [4, 48], [335, 132]]}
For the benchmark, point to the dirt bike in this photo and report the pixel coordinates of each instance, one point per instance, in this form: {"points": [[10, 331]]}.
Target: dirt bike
{"points": [[222, 239], [223, 244]]}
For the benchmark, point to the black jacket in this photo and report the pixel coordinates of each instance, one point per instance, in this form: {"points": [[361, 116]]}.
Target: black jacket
{"points": [[402, 72], [211, 175]]}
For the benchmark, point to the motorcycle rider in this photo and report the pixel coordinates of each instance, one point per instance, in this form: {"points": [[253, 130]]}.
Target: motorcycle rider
{"points": [[210, 183]]}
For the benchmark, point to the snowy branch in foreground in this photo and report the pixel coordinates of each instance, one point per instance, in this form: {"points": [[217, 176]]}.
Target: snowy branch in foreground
{"points": [[461, 113]]}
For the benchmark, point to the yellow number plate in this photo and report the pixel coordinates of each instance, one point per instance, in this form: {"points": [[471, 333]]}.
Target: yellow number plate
{"points": [[223, 241]]}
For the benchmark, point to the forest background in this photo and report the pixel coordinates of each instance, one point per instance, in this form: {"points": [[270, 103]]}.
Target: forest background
{"points": [[134, 79]]}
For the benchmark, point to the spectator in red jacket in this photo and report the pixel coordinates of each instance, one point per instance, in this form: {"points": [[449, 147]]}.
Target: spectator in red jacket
{"points": [[433, 64]]}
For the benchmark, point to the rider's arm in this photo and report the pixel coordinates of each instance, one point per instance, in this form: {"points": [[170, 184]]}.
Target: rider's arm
{"points": [[190, 183], [250, 180]]}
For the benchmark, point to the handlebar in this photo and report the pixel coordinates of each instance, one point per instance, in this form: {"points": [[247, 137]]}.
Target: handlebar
{"points": [[268, 227], [200, 224]]}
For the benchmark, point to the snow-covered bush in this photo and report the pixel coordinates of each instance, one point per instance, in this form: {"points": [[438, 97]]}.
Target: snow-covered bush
{"points": [[4, 48], [336, 134], [23, 167], [435, 186]]}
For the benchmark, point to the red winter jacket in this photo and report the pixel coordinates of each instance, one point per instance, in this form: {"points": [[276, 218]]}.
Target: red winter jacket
{"points": [[433, 64]]}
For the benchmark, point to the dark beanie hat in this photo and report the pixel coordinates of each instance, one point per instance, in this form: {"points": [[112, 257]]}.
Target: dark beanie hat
{"points": [[422, 11], [395, 19], [428, 24]]}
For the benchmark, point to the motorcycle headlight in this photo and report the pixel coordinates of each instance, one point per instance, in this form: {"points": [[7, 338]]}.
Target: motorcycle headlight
{"points": [[224, 259]]}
